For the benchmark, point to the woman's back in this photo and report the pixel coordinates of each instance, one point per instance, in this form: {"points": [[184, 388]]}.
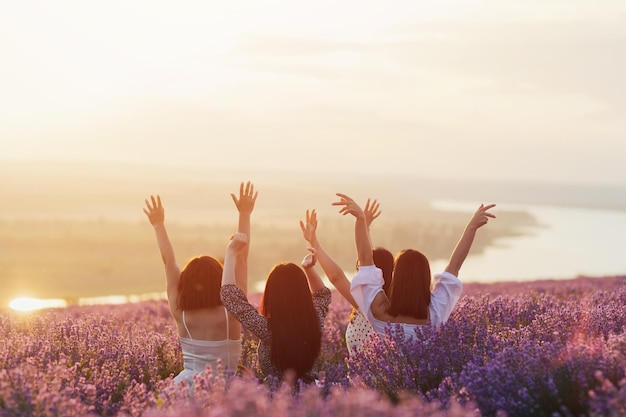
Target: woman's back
{"points": [[207, 339], [206, 331], [368, 293], [207, 324]]}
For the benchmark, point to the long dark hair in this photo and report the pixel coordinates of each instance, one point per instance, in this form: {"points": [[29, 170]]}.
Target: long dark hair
{"points": [[292, 320], [410, 286], [383, 259], [200, 283]]}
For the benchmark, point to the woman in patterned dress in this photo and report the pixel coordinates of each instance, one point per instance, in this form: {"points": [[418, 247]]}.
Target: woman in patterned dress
{"points": [[290, 322]]}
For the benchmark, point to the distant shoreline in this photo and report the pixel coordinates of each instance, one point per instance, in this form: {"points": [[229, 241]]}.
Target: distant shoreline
{"points": [[60, 224]]}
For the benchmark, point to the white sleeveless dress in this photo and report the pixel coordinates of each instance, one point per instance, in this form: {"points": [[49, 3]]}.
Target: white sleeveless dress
{"points": [[198, 354]]}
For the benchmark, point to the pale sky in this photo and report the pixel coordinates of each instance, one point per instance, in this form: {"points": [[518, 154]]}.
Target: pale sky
{"points": [[491, 89]]}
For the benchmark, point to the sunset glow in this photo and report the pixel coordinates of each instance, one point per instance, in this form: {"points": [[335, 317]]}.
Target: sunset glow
{"points": [[31, 304], [451, 173], [507, 101], [522, 79]]}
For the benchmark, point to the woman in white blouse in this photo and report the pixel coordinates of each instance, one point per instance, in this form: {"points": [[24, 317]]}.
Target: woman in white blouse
{"points": [[412, 301]]}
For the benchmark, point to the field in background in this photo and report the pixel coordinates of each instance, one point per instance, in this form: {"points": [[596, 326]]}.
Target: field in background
{"points": [[72, 231]]}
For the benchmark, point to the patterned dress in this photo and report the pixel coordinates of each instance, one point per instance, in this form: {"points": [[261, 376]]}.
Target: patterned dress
{"points": [[358, 331], [238, 305]]}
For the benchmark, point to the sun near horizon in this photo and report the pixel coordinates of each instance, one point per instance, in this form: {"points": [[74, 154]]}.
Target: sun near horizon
{"points": [[26, 304], [490, 90]]}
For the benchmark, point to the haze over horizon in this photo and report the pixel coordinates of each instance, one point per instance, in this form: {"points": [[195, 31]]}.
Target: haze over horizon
{"points": [[473, 90]]}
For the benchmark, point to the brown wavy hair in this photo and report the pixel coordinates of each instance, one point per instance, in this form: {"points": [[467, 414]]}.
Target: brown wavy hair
{"points": [[287, 303], [410, 286], [200, 283]]}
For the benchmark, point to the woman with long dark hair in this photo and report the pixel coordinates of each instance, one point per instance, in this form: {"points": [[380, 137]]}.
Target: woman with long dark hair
{"points": [[413, 300], [291, 318]]}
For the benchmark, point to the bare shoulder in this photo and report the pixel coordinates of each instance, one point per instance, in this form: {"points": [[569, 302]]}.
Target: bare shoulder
{"points": [[174, 310], [379, 306], [205, 323]]}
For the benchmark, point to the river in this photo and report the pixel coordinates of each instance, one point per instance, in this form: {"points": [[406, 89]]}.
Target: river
{"points": [[571, 242]]}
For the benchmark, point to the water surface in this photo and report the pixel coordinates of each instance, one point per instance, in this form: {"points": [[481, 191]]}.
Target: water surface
{"points": [[571, 242]]}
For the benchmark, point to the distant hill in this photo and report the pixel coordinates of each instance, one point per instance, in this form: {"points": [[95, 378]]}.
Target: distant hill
{"points": [[74, 230]]}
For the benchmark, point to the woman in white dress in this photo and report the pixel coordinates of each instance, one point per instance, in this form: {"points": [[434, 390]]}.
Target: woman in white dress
{"points": [[208, 334], [413, 301]]}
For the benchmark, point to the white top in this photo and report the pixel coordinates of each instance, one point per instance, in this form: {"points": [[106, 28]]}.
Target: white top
{"points": [[445, 293], [198, 354]]}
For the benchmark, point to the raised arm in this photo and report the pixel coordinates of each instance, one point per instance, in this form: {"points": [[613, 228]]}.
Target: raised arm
{"points": [[245, 205], [333, 271], [308, 264], [371, 211], [238, 242], [156, 215], [479, 219], [361, 232]]}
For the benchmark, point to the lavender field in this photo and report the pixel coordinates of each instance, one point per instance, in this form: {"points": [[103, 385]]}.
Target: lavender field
{"points": [[543, 348]]}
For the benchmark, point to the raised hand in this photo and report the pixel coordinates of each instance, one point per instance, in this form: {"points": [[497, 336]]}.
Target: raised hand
{"points": [[463, 246], [371, 211], [310, 259], [247, 198], [154, 210], [156, 215], [237, 242], [309, 228], [481, 216], [349, 206]]}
